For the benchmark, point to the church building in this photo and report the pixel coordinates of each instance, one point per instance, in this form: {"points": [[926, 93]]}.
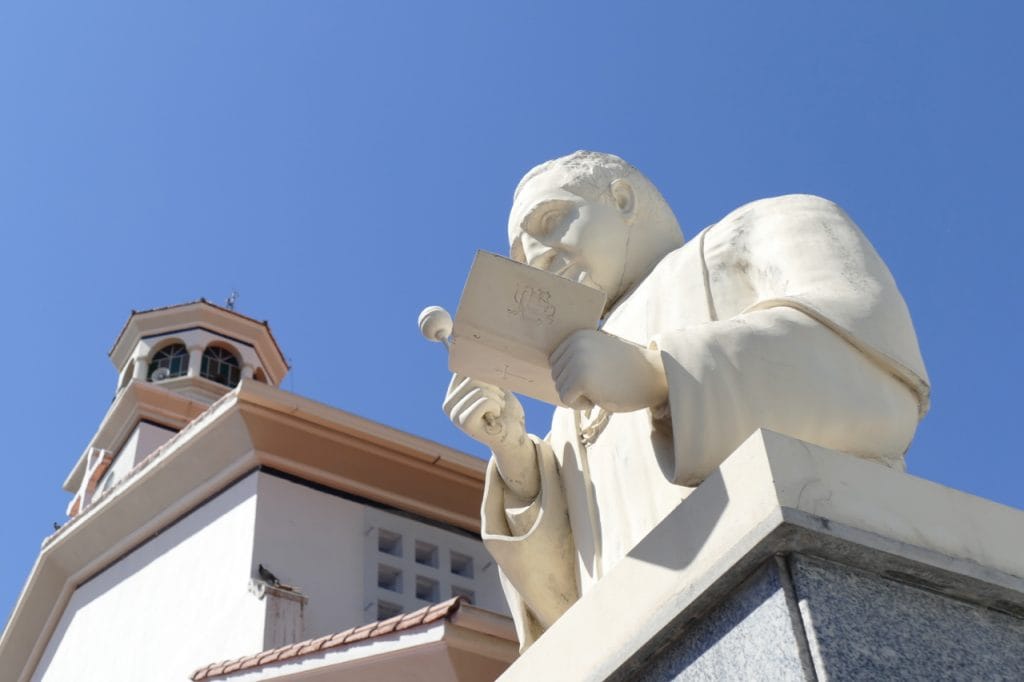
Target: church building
{"points": [[221, 528]]}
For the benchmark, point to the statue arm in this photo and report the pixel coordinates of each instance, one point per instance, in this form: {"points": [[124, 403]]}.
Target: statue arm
{"points": [[813, 340], [524, 518], [779, 369], [532, 543]]}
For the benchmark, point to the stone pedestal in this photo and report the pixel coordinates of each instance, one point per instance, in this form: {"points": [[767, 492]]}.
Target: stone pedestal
{"points": [[797, 563]]}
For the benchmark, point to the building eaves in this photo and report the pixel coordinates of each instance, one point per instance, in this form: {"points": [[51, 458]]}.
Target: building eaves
{"points": [[198, 423], [406, 621]]}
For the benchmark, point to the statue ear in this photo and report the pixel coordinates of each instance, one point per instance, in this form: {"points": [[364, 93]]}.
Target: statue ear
{"points": [[625, 200]]}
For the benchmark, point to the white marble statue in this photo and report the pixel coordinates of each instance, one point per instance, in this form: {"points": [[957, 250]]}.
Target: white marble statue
{"points": [[781, 315]]}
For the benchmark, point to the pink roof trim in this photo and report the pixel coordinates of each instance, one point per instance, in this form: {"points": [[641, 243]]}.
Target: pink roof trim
{"points": [[405, 621]]}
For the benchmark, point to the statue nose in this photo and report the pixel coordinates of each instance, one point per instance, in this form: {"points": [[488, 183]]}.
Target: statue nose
{"points": [[538, 254], [549, 259]]}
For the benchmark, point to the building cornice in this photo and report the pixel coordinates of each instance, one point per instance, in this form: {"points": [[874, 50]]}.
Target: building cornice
{"points": [[138, 401]]}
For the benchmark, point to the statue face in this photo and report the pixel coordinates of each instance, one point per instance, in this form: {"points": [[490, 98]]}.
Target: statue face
{"points": [[568, 234]]}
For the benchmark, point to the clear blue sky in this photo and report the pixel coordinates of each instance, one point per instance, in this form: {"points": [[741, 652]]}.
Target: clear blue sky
{"points": [[339, 163]]}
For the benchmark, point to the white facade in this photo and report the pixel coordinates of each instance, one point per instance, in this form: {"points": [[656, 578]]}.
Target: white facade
{"points": [[175, 603], [306, 537], [183, 599]]}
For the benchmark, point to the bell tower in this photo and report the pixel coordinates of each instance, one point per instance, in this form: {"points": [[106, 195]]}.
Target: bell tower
{"points": [[172, 363]]}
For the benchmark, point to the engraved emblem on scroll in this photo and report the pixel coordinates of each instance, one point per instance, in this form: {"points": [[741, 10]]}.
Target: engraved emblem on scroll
{"points": [[533, 305]]}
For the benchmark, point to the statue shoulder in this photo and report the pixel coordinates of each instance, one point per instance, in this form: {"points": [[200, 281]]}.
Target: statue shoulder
{"points": [[793, 215], [786, 204]]}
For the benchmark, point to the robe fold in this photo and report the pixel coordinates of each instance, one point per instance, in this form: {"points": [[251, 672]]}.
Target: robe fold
{"points": [[781, 316]]}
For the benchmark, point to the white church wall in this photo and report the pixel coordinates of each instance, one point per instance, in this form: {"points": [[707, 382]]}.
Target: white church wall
{"points": [[329, 548], [171, 606], [312, 541]]}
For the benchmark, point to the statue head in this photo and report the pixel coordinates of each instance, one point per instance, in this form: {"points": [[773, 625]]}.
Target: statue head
{"points": [[593, 218]]}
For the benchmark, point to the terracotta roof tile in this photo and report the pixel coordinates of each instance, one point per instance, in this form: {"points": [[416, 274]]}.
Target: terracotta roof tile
{"points": [[424, 616], [413, 619], [387, 626], [269, 657], [249, 661], [233, 666], [337, 639], [219, 668], [358, 634], [213, 669], [307, 648], [292, 650], [320, 642]]}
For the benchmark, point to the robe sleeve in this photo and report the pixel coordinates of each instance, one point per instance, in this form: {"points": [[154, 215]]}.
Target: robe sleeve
{"points": [[805, 252], [782, 370], [532, 545], [822, 348]]}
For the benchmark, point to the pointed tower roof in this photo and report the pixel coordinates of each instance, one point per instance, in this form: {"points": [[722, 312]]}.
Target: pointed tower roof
{"points": [[201, 314]]}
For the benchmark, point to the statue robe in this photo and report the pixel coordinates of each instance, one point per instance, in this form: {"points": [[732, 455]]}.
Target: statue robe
{"points": [[782, 316]]}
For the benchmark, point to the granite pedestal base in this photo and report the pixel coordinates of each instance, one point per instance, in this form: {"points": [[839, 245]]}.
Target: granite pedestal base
{"points": [[801, 618], [797, 563]]}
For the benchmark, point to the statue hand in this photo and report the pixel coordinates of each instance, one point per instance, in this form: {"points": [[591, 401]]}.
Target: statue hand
{"points": [[596, 368], [483, 411], [494, 417]]}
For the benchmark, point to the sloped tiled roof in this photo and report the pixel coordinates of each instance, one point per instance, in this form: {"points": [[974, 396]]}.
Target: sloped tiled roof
{"points": [[188, 303], [405, 621]]}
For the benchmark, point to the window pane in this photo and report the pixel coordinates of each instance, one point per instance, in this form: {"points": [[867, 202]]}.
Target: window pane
{"points": [[220, 365], [462, 564], [173, 358], [389, 578], [389, 542]]}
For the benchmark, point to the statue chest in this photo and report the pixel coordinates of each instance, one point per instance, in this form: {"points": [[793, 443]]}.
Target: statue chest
{"points": [[673, 296]]}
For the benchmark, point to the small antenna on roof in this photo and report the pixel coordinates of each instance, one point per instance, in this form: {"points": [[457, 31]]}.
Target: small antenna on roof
{"points": [[230, 304]]}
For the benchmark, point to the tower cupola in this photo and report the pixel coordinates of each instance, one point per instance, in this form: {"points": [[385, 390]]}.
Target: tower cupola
{"points": [[198, 349], [173, 363]]}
